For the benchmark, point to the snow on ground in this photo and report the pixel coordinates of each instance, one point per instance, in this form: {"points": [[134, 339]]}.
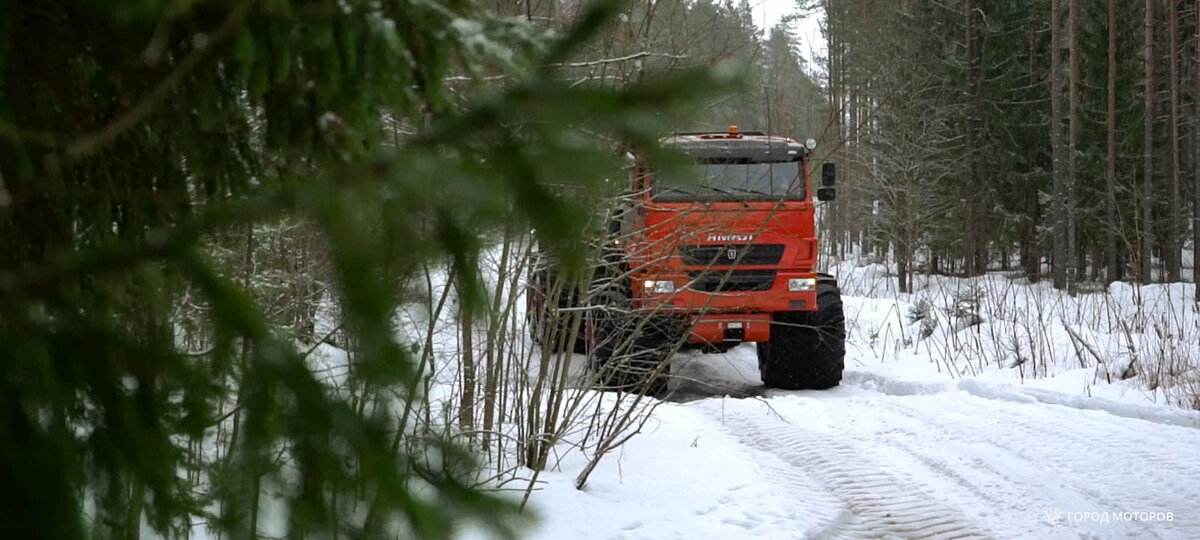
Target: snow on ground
{"points": [[984, 407], [1131, 343], [999, 421], [883, 457]]}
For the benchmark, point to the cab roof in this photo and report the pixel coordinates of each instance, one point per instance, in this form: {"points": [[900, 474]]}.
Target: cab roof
{"points": [[746, 146]]}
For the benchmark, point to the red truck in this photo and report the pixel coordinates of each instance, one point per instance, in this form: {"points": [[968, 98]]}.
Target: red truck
{"points": [[724, 255]]}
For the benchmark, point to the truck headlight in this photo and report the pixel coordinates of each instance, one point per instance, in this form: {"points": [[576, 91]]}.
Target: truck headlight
{"points": [[659, 287], [802, 284]]}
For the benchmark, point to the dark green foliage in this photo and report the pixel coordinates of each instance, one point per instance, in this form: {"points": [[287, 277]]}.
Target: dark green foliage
{"points": [[658, 38], [904, 64], [794, 103], [139, 139]]}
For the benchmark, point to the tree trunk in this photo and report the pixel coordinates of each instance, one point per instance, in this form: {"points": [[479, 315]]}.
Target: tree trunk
{"points": [[1031, 253], [466, 411], [1196, 163], [1173, 250], [1031, 245], [1060, 248], [496, 339], [852, 221], [1148, 151], [1073, 262], [1110, 191], [971, 240], [836, 116]]}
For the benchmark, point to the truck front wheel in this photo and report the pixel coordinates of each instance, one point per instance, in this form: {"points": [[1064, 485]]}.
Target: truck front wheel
{"points": [[629, 355], [544, 321], [807, 349]]}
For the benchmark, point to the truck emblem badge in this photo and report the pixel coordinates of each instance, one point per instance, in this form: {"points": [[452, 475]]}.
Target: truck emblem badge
{"points": [[728, 238], [732, 254]]}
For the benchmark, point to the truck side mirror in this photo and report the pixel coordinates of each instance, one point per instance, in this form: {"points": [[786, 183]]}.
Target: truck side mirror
{"points": [[828, 175], [826, 194]]}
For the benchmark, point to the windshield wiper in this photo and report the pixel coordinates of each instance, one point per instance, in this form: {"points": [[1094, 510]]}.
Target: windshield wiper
{"points": [[755, 192], [723, 191]]}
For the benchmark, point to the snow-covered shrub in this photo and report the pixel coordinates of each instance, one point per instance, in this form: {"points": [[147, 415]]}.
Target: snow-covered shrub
{"points": [[922, 313], [965, 308]]}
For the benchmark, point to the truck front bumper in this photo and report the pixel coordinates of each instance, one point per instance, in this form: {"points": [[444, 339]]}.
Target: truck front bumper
{"points": [[684, 300], [713, 328], [725, 316]]}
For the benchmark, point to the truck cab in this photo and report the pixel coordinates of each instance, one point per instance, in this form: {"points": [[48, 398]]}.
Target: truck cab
{"points": [[711, 255], [729, 242]]}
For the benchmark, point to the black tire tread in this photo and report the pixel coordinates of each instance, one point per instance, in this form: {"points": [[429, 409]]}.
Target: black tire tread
{"points": [[540, 330], [807, 349], [638, 366]]}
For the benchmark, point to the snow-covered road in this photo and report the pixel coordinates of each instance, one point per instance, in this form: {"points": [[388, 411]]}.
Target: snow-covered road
{"points": [[886, 458]]}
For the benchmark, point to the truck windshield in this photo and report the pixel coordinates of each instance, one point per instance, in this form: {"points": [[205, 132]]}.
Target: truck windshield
{"points": [[732, 182]]}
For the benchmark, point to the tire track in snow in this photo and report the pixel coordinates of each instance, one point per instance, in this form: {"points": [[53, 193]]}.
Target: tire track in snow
{"points": [[1020, 394], [1008, 454], [1027, 456], [733, 373], [1011, 476], [879, 504], [1141, 473]]}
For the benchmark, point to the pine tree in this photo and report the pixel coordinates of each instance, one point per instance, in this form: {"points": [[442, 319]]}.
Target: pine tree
{"points": [[1074, 117], [973, 256], [1172, 251], [1061, 254], [150, 149], [1110, 176], [1196, 161], [1147, 232]]}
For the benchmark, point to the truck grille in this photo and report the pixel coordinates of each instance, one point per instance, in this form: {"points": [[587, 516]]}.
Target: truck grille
{"points": [[743, 254], [732, 281]]}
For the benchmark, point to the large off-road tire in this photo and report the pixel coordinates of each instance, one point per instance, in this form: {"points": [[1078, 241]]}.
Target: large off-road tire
{"points": [[547, 323], [627, 354], [807, 349], [559, 335]]}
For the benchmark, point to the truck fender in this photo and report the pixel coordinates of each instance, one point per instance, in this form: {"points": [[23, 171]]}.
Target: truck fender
{"points": [[826, 278]]}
